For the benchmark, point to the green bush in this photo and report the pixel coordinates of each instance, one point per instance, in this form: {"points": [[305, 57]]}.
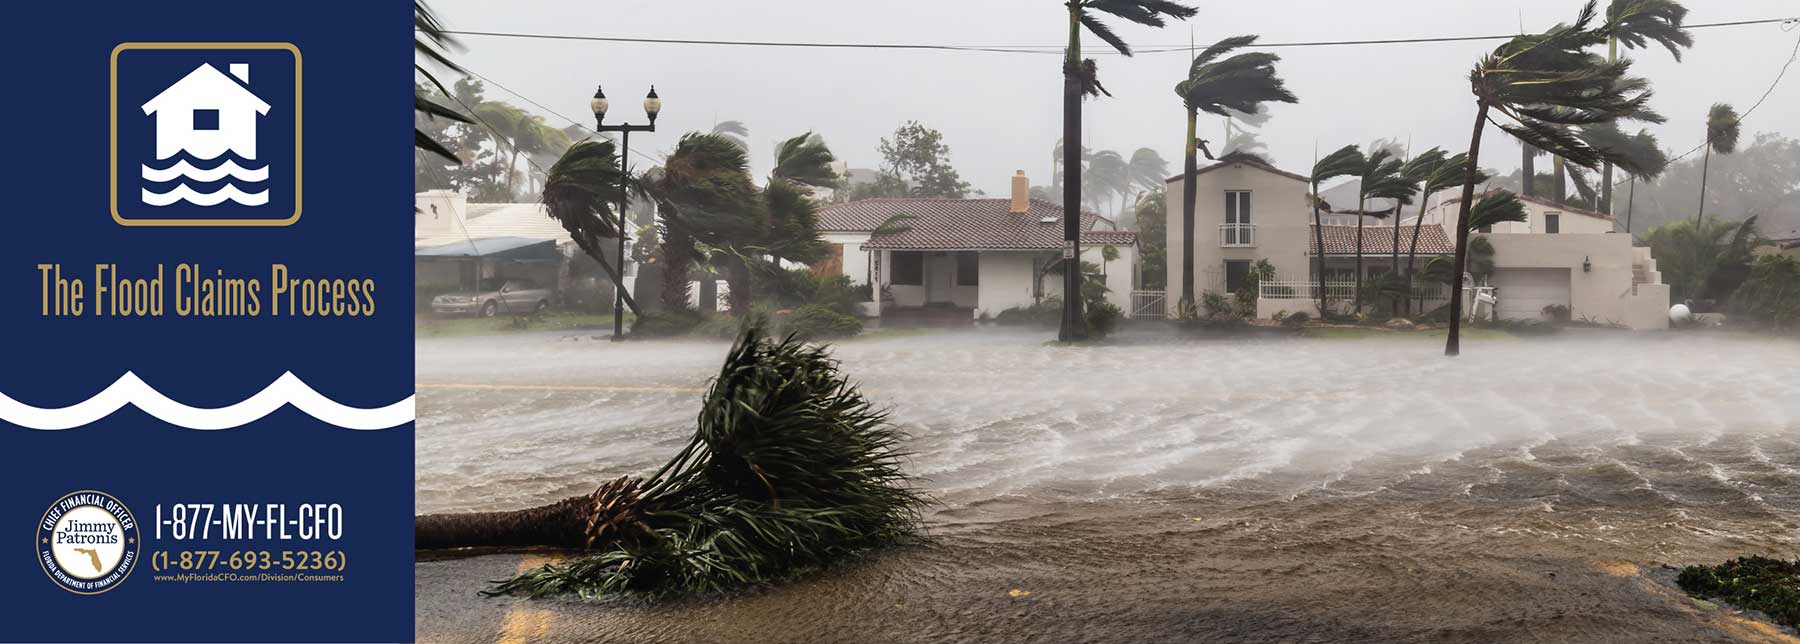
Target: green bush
{"points": [[1103, 318], [1771, 294], [1760, 583], [819, 322], [1556, 312], [1296, 320], [1217, 307], [1047, 313]]}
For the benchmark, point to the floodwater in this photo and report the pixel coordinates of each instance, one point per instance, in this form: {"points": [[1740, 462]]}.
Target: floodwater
{"points": [[1321, 490]]}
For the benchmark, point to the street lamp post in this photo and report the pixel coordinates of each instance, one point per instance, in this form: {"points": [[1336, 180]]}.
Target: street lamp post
{"points": [[652, 106]]}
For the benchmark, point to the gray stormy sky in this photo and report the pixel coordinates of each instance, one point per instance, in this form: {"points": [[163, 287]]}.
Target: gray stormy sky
{"points": [[1001, 111]]}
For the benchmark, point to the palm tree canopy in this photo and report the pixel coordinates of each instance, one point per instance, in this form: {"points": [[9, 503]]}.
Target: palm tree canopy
{"points": [[733, 131], [1150, 13], [1381, 179], [1148, 169], [1451, 173], [1546, 81], [581, 188], [792, 229], [431, 43], [1637, 23], [1422, 166], [805, 160], [1638, 155], [1242, 82], [1495, 207], [707, 181], [1722, 125], [1344, 162]]}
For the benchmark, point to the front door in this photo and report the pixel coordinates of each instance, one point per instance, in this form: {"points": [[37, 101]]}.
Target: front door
{"points": [[940, 278]]}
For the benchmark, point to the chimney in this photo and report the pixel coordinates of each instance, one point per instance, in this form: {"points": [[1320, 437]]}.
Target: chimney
{"points": [[1021, 193], [241, 71]]}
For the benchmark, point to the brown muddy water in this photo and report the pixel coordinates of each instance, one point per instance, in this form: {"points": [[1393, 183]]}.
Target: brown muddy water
{"points": [[1303, 490]]}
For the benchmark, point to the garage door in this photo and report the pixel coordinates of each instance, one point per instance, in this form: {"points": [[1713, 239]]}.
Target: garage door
{"points": [[1524, 292]]}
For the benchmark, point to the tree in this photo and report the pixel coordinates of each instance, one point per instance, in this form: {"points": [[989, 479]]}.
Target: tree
{"points": [[1379, 178], [579, 193], [805, 160], [1761, 179], [1445, 174], [1107, 174], [1703, 259], [918, 153], [1647, 162], [1148, 170], [789, 468], [1081, 79], [1543, 83], [1153, 236], [1636, 24], [1722, 137], [1243, 83], [734, 132], [1344, 162], [1415, 172], [431, 43], [1241, 132]]}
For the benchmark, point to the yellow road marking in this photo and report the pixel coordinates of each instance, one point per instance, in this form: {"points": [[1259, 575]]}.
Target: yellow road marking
{"points": [[452, 385], [521, 624]]}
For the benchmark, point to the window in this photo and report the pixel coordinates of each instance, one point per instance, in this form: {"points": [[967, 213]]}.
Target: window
{"points": [[909, 269], [1237, 274], [1237, 206], [206, 120], [968, 269], [1552, 223]]}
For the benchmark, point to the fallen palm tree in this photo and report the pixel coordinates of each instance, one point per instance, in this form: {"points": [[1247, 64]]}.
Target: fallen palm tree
{"points": [[789, 468]]}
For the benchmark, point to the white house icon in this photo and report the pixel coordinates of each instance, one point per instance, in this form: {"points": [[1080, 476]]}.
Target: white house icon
{"points": [[207, 113]]}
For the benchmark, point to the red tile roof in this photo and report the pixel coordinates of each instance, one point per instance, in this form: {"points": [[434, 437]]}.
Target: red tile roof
{"points": [[1541, 201], [1379, 240], [964, 224]]}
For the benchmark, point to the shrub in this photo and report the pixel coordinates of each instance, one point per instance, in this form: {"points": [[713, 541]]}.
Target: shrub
{"points": [[1047, 313], [1216, 306], [1760, 583], [1296, 320], [1771, 294], [1557, 312], [1103, 318], [819, 322]]}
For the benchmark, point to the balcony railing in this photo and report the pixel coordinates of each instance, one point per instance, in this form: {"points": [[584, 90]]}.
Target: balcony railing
{"points": [[1237, 235]]}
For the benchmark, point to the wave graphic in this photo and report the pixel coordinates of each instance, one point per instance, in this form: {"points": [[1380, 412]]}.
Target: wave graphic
{"points": [[130, 390], [184, 170], [182, 192]]}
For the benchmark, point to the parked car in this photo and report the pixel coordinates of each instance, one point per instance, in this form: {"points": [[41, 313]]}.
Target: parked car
{"points": [[513, 297]]}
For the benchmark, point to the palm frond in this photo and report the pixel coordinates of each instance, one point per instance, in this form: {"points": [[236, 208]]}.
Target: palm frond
{"points": [[1637, 23], [1241, 83], [1345, 161], [1722, 128], [1150, 13], [1495, 207], [805, 160]]}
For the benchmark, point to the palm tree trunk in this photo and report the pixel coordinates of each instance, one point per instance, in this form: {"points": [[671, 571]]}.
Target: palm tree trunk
{"points": [[561, 524], [1700, 217], [1606, 189], [1527, 170], [677, 258], [1560, 191], [1453, 343], [1394, 260], [1630, 200], [1360, 204], [1074, 324], [1412, 253], [1319, 248], [1190, 166], [737, 276]]}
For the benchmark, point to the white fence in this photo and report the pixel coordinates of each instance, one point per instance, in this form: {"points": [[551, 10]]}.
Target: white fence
{"points": [[1149, 305], [1341, 293]]}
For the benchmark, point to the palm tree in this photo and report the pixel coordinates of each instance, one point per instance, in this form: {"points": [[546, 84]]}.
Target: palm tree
{"points": [[1647, 160], [1107, 174], [1242, 82], [579, 193], [432, 43], [805, 160], [734, 132], [1081, 80], [789, 468], [707, 194], [1636, 24], [1542, 83], [1346, 161], [1448, 173], [1415, 171], [1722, 137], [1379, 179], [1147, 171]]}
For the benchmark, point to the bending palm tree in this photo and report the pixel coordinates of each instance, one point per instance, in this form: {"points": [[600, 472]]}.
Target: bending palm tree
{"points": [[1380, 179], [1147, 171], [789, 468], [1449, 173], [1242, 82], [1647, 159], [1346, 161], [1542, 83], [1722, 137], [431, 42], [734, 132], [1636, 24], [1415, 171], [579, 192], [1106, 175], [1081, 80]]}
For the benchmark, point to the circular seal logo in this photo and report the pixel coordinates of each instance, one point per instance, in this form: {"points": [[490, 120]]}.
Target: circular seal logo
{"points": [[88, 542]]}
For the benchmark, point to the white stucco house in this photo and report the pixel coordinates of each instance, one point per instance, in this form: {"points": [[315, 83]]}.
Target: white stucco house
{"points": [[1247, 210], [968, 257], [207, 113]]}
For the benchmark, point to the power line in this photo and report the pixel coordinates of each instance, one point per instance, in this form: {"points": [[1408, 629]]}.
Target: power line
{"points": [[581, 124], [1020, 49]]}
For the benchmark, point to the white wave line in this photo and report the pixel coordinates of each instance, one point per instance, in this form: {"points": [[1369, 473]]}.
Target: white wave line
{"points": [[182, 169], [130, 390], [182, 192]]}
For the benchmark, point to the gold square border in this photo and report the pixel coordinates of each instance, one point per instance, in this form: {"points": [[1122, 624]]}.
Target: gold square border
{"points": [[113, 171]]}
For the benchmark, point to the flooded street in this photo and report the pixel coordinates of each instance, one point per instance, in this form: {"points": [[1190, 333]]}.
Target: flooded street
{"points": [[1296, 490]]}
